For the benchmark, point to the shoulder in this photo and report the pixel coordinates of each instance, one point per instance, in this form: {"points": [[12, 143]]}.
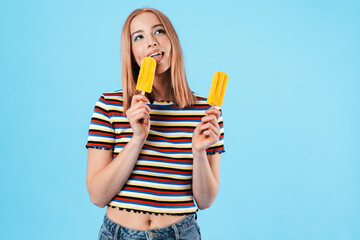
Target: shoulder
{"points": [[117, 95], [200, 100], [111, 100]]}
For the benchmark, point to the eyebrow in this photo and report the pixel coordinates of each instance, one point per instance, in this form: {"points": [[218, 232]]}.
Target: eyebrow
{"points": [[157, 25]]}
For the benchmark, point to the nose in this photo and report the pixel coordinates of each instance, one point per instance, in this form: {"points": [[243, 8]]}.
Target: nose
{"points": [[152, 42]]}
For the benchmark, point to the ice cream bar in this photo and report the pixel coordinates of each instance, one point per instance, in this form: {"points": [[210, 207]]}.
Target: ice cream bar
{"points": [[146, 75], [217, 89]]}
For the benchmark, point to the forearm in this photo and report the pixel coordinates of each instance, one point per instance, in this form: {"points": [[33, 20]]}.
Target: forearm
{"points": [[204, 184], [109, 181]]}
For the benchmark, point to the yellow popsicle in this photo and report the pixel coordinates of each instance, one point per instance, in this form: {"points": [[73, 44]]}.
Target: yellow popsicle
{"points": [[146, 75], [217, 89]]}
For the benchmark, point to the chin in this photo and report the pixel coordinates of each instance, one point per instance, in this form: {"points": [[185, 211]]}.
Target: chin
{"points": [[161, 69]]}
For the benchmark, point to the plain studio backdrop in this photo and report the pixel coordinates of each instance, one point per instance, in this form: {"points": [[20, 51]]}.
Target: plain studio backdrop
{"points": [[291, 169]]}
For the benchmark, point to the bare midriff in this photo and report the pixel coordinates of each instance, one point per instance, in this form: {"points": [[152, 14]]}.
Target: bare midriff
{"points": [[141, 221]]}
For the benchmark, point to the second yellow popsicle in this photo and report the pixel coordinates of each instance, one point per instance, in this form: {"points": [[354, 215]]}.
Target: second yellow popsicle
{"points": [[217, 89]]}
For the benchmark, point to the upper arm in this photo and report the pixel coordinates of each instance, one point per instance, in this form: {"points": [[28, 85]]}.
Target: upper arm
{"points": [[214, 162], [97, 160]]}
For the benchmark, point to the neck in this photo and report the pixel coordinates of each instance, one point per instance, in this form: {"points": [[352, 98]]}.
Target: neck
{"points": [[161, 85]]}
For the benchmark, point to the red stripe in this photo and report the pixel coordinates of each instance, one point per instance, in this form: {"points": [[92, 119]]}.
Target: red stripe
{"points": [[172, 129], [124, 135], [122, 124], [197, 107], [168, 160], [98, 133], [168, 150], [160, 180], [113, 94], [97, 121], [114, 102], [101, 144], [153, 203], [214, 149], [156, 191], [179, 118], [170, 140], [160, 170], [100, 110], [116, 113]]}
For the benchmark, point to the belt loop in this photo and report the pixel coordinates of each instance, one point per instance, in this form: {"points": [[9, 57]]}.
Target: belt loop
{"points": [[176, 230], [195, 216], [116, 233]]}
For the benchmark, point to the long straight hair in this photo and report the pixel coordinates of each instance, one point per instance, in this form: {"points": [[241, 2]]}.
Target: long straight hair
{"points": [[179, 92]]}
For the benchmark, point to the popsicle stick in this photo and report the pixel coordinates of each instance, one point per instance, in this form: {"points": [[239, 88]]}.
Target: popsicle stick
{"points": [[216, 107]]}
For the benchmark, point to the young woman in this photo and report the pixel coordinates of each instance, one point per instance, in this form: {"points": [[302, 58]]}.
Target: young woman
{"points": [[150, 156]]}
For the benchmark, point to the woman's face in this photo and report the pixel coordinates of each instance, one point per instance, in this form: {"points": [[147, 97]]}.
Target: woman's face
{"points": [[149, 39]]}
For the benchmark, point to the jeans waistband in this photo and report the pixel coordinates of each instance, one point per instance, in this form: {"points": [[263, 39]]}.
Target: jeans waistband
{"points": [[173, 229]]}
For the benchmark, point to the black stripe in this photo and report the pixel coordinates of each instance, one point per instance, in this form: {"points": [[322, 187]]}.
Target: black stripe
{"points": [[90, 142], [101, 131], [170, 148], [173, 127], [160, 190], [165, 158], [119, 112], [164, 168], [188, 181], [114, 100], [98, 107], [100, 119], [167, 137], [177, 116]]}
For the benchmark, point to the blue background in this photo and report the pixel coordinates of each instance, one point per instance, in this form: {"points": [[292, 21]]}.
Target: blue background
{"points": [[291, 112]]}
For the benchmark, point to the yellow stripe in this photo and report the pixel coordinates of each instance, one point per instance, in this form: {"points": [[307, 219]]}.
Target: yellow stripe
{"points": [[144, 184], [177, 145], [154, 153], [141, 163], [176, 124], [94, 139], [172, 176], [103, 128], [184, 135], [101, 116], [188, 113]]}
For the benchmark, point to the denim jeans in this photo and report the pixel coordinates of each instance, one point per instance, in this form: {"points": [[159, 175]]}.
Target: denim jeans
{"points": [[185, 229]]}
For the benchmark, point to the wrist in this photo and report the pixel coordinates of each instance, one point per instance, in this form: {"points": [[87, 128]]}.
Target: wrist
{"points": [[198, 152], [138, 139]]}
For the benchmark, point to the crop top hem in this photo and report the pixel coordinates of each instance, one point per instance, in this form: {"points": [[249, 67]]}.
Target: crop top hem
{"points": [[149, 212], [99, 147], [216, 151], [111, 148]]}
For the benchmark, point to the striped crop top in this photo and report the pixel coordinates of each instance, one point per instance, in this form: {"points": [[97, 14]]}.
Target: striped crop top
{"points": [[161, 181]]}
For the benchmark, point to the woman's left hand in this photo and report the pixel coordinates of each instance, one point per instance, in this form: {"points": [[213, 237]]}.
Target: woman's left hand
{"points": [[207, 131]]}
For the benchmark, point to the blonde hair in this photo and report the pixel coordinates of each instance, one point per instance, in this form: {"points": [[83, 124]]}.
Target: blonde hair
{"points": [[179, 92]]}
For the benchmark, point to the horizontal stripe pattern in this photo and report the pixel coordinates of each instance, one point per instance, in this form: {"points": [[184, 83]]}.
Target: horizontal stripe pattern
{"points": [[161, 181]]}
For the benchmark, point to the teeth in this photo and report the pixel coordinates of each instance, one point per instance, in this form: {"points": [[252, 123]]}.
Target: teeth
{"points": [[154, 54]]}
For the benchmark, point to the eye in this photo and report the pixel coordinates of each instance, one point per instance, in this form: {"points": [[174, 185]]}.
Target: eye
{"points": [[137, 37], [159, 31]]}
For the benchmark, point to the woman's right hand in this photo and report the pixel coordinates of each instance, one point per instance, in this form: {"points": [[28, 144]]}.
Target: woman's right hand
{"points": [[139, 116]]}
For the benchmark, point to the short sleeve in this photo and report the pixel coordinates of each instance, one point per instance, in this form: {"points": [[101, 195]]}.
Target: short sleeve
{"points": [[219, 146], [101, 130]]}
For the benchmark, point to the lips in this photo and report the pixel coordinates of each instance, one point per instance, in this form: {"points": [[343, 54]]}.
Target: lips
{"points": [[157, 55], [158, 58]]}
